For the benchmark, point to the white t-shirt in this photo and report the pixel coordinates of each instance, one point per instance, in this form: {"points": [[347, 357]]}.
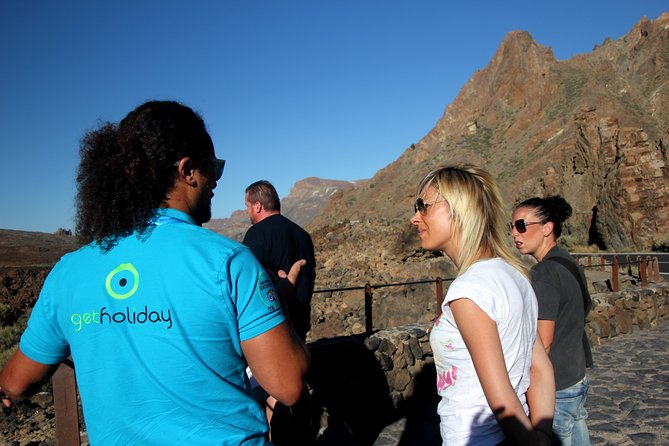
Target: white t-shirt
{"points": [[506, 296]]}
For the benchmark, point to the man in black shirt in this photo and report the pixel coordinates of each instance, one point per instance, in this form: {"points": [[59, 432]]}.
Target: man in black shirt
{"points": [[277, 243]]}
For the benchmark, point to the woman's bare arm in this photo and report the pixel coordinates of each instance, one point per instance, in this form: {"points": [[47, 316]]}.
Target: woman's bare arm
{"points": [[541, 394], [482, 340]]}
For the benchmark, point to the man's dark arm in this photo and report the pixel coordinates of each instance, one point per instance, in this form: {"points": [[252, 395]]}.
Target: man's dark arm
{"points": [[20, 375]]}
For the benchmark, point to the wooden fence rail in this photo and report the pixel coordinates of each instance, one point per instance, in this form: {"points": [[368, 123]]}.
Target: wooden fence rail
{"points": [[65, 403], [646, 269]]}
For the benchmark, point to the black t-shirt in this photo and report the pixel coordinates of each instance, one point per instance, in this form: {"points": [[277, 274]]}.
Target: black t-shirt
{"points": [[278, 243], [560, 300]]}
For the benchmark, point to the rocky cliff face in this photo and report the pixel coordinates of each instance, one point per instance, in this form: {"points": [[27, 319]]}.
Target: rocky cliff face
{"points": [[594, 129]]}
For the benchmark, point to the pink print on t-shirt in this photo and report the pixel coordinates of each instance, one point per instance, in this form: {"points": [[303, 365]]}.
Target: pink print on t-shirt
{"points": [[446, 379]]}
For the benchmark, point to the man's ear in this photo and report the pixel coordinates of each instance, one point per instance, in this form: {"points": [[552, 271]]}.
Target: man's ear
{"points": [[186, 171], [257, 207]]}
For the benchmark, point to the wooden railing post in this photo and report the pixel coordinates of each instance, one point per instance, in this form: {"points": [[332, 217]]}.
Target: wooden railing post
{"points": [[602, 263], [369, 294], [614, 275], [440, 295], [656, 269], [65, 406], [642, 271]]}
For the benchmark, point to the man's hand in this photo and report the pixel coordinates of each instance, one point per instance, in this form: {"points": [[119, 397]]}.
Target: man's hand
{"points": [[6, 401], [287, 282], [20, 376]]}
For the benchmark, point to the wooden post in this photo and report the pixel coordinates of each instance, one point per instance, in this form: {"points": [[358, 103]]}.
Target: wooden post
{"points": [[440, 295], [65, 406], [589, 261], [369, 293], [629, 265], [614, 275], [642, 271], [656, 269], [650, 271], [602, 262]]}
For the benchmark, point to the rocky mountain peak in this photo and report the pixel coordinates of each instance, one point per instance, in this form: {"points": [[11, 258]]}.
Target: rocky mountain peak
{"points": [[594, 128], [518, 64], [309, 196]]}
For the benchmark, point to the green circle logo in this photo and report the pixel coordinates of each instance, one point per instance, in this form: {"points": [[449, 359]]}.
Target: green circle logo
{"points": [[122, 282]]}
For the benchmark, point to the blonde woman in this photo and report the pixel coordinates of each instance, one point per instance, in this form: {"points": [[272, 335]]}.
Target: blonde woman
{"points": [[493, 375]]}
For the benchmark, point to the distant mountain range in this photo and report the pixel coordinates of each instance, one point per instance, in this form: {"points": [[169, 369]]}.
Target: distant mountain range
{"points": [[307, 198], [33, 249]]}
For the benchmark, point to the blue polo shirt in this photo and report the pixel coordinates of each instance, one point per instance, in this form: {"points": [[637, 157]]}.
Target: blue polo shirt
{"points": [[154, 328]]}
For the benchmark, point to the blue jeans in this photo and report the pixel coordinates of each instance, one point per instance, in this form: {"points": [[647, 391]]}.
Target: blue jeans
{"points": [[570, 414]]}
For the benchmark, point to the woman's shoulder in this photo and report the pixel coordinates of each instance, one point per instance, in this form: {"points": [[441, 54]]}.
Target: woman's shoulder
{"points": [[490, 270], [553, 258], [549, 269]]}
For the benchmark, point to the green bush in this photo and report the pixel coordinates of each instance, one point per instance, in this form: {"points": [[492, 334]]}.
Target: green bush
{"points": [[10, 334], [660, 246]]}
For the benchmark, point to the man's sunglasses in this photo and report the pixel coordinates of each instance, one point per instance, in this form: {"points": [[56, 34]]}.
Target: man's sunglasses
{"points": [[216, 163], [420, 206], [521, 225], [218, 166]]}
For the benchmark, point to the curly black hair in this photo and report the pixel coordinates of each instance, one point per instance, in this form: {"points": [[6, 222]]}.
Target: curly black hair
{"points": [[553, 208], [127, 170]]}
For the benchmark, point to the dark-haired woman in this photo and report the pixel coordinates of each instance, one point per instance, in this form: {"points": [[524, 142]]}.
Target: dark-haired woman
{"points": [[563, 307], [493, 375]]}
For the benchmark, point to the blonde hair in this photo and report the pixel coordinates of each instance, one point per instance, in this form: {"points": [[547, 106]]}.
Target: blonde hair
{"points": [[477, 211]]}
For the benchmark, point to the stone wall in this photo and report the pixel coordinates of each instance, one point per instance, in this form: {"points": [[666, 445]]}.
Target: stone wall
{"points": [[359, 384], [626, 311], [402, 353], [362, 382]]}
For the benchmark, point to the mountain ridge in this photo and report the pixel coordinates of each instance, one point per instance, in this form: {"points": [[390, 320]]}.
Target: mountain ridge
{"points": [[593, 128]]}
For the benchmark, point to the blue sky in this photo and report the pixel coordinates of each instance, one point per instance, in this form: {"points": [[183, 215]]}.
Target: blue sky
{"points": [[336, 89]]}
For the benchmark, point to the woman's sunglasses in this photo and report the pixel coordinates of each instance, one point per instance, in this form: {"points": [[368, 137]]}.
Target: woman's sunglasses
{"points": [[420, 206], [521, 225]]}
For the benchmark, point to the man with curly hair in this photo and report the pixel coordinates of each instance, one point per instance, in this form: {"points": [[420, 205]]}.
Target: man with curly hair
{"points": [[161, 317]]}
